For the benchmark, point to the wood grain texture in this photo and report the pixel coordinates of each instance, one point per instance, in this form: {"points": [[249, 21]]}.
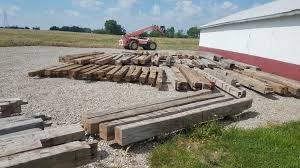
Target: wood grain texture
{"points": [[138, 131]]}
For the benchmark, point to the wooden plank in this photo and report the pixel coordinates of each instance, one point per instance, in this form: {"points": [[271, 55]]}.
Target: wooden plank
{"points": [[194, 83], [293, 86], [92, 61], [135, 60], [130, 71], [136, 74], [68, 155], [41, 72], [107, 129], [27, 131], [206, 83], [152, 76], [118, 76], [63, 72], [236, 92], [83, 60], [116, 58], [198, 64], [92, 125], [158, 101], [155, 60], [211, 56], [222, 75], [110, 74], [181, 84], [21, 125], [104, 61], [102, 73], [90, 75], [35, 140], [278, 88], [146, 59], [68, 58], [125, 60], [161, 78], [47, 72], [80, 76], [145, 74], [74, 73], [251, 83], [208, 63], [138, 131]]}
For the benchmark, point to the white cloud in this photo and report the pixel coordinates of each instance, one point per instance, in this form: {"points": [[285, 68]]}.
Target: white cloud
{"points": [[49, 12], [88, 4], [155, 10], [12, 10], [71, 13], [182, 10], [229, 5], [126, 3]]}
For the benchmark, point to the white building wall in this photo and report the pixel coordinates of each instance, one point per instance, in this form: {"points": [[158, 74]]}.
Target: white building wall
{"points": [[277, 39]]}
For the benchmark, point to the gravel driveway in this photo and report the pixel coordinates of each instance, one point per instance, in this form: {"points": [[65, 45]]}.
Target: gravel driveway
{"points": [[64, 99]]}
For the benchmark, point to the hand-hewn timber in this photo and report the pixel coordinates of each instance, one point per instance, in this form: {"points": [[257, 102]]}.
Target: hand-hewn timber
{"points": [[236, 92], [92, 125], [67, 155], [145, 74], [181, 84], [138, 131], [21, 125], [107, 129]]}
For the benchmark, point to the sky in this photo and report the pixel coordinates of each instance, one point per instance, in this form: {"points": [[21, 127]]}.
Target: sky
{"points": [[131, 14]]}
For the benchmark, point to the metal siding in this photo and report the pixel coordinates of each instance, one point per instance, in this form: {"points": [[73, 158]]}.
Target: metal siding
{"points": [[273, 39]]}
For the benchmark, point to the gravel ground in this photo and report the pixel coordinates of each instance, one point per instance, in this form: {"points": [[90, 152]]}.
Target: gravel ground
{"points": [[64, 99]]}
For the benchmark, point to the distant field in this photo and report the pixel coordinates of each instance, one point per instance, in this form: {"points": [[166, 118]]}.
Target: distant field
{"points": [[68, 39]]}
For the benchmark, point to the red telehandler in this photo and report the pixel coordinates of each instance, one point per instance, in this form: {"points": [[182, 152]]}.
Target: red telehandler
{"points": [[133, 40]]}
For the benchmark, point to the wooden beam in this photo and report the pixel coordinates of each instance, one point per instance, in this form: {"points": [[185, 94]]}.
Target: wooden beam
{"points": [[107, 129], [130, 71], [251, 83], [99, 75], [136, 74], [138, 131], [161, 78], [236, 92], [145, 74], [220, 74], [110, 74], [293, 86], [118, 76], [21, 125], [152, 76], [35, 140], [92, 125], [278, 88], [194, 83], [158, 101], [181, 84], [68, 155], [90, 75]]}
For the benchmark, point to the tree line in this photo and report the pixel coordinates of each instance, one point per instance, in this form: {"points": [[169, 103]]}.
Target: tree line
{"points": [[17, 27], [112, 27]]}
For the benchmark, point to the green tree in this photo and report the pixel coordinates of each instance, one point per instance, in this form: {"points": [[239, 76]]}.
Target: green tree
{"points": [[112, 27], [193, 32], [170, 32], [154, 33]]}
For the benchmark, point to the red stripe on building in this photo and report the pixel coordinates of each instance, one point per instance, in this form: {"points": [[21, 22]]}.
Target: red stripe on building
{"points": [[291, 71]]}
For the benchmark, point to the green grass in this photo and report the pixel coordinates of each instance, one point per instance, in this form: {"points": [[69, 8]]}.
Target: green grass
{"points": [[11, 37], [212, 146]]}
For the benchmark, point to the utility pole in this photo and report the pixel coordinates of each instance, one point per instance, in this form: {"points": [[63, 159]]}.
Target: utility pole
{"points": [[5, 19]]}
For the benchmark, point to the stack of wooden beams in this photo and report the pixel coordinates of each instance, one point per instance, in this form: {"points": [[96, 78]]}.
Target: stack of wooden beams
{"points": [[140, 122], [149, 68], [25, 143], [12, 106]]}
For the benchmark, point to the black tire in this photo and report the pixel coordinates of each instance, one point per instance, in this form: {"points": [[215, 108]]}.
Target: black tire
{"points": [[152, 45], [133, 45]]}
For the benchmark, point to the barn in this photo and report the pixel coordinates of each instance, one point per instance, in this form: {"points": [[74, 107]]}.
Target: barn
{"points": [[267, 36]]}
